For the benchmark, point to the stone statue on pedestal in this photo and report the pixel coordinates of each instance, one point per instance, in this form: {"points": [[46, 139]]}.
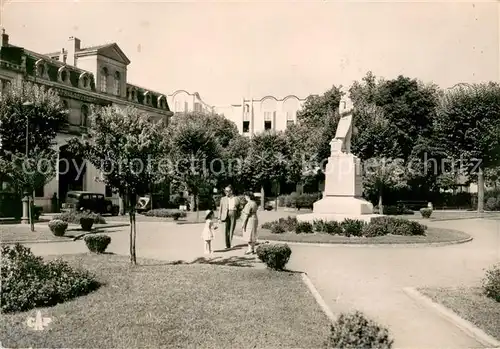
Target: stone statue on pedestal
{"points": [[342, 197]]}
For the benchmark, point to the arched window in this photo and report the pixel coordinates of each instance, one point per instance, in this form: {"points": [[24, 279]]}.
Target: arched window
{"points": [[104, 79], [84, 115], [118, 84]]}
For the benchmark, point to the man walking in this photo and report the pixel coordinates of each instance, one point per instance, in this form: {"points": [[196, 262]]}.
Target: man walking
{"points": [[228, 213]]}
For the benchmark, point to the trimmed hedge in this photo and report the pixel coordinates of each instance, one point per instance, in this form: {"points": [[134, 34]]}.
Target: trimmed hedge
{"points": [[298, 201], [58, 227], [426, 212], [394, 210], [275, 256], [97, 243], [166, 213], [378, 226], [75, 216], [29, 282]]}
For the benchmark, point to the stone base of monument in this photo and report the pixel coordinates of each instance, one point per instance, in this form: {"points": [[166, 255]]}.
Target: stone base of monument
{"points": [[338, 208]]}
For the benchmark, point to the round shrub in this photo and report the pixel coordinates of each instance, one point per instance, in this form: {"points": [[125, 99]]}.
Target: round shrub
{"points": [[352, 227], [97, 243], [58, 227], [303, 228], [28, 282], [356, 331], [426, 212], [86, 223], [275, 256], [491, 283]]}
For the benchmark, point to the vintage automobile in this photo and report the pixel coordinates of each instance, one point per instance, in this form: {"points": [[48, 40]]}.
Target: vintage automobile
{"points": [[94, 202]]}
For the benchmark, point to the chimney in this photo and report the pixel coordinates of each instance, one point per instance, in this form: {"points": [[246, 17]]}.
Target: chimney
{"points": [[73, 47], [5, 39], [62, 55]]}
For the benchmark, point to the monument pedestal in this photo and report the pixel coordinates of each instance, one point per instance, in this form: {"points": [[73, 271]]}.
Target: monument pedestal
{"points": [[343, 189]]}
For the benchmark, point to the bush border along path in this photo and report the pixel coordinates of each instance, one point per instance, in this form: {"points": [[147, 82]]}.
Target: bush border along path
{"points": [[433, 237]]}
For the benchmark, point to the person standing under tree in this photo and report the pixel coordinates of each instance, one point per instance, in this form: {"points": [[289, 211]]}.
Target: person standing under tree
{"points": [[228, 213], [250, 222]]}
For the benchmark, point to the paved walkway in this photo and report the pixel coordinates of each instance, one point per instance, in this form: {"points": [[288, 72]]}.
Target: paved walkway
{"points": [[369, 279]]}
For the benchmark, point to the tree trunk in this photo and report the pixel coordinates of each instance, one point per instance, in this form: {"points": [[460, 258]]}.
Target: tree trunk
{"points": [[480, 190], [262, 198], [277, 194], [197, 201], [133, 232], [380, 204]]}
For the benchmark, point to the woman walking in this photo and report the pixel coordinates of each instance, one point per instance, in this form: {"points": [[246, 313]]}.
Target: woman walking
{"points": [[250, 222]]}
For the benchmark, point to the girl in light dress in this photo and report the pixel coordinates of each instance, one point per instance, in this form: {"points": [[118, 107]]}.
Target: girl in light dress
{"points": [[208, 232]]}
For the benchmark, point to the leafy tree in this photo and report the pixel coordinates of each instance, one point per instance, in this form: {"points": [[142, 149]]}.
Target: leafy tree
{"points": [[30, 108], [30, 117], [195, 153], [308, 141], [127, 148], [267, 160], [468, 127], [235, 157], [380, 174]]}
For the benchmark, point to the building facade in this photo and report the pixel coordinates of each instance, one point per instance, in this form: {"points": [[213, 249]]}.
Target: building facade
{"points": [[253, 116], [182, 101], [82, 76]]}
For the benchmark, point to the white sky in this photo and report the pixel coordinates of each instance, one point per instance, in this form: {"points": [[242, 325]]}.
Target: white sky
{"points": [[227, 50]]}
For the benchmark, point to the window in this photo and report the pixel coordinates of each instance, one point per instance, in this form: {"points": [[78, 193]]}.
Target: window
{"points": [[117, 84], [108, 191], [247, 108], [64, 75], [39, 192], [104, 79], [84, 115], [268, 125], [267, 116], [185, 107], [246, 126], [40, 69], [85, 81]]}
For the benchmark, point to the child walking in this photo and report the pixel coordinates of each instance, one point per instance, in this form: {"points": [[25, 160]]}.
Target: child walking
{"points": [[208, 233]]}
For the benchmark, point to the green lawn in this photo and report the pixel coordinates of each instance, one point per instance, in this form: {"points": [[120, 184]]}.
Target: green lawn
{"points": [[470, 304], [453, 215], [21, 232], [157, 305], [433, 235]]}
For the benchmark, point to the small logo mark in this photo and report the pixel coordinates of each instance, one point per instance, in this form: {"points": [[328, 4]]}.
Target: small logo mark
{"points": [[38, 323]]}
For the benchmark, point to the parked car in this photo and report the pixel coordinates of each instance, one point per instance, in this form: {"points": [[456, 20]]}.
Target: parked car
{"points": [[94, 202]]}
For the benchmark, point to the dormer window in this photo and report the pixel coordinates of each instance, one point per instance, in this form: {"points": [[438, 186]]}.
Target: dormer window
{"points": [[41, 69], [147, 98], [104, 79], [117, 84], [63, 75]]}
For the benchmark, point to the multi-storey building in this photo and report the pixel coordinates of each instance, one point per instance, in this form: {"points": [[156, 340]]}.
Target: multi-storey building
{"points": [[182, 101], [253, 116], [82, 76]]}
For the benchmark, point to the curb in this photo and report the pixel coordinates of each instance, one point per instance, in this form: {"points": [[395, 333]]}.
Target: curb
{"points": [[321, 302], [330, 244], [466, 326]]}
